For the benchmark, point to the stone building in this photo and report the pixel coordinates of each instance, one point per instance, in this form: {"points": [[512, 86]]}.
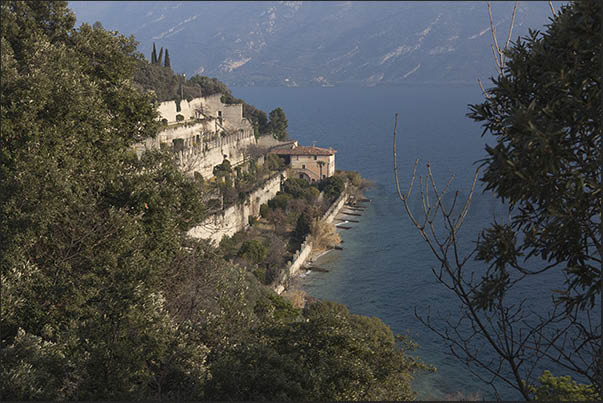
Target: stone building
{"points": [[207, 132], [309, 163]]}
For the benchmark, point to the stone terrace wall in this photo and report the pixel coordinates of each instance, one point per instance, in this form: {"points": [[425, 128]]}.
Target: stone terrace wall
{"points": [[199, 151], [204, 156], [236, 218]]}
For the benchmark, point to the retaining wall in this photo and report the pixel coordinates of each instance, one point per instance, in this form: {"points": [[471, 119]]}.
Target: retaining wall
{"points": [[200, 149], [236, 218]]}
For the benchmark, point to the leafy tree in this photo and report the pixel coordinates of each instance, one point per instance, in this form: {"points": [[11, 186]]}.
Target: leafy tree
{"points": [[88, 229], [295, 187], [328, 355], [210, 86], [160, 79], [274, 162], [264, 210], [332, 187], [278, 124], [544, 113], [254, 251], [562, 389], [547, 106], [103, 294], [279, 201], [223, 169], [303, 227]]}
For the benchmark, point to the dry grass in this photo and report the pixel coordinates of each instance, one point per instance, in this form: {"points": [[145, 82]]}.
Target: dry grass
{"points": [[324, 235], [296, 297]]}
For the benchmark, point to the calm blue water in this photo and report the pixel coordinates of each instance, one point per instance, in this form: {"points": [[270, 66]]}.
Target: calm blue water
{"points": [[385, 267]]}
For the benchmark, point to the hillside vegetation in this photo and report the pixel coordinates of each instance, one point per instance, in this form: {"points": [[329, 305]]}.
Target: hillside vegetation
{"points": [[103, 295]]}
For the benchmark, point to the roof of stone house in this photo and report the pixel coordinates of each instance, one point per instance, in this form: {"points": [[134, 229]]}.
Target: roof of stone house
{"points": [[302, 150]]}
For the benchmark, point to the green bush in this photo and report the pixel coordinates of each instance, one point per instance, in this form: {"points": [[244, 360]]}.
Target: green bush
{"points": [[214, 204], [179, 118], [562, 388], [254, 251], [295, 187], [264, 210], [243, 196], [262, 275], [279, 201], [222, 169], [332, 187], [274, 162], [302, 227], [311, 194]]}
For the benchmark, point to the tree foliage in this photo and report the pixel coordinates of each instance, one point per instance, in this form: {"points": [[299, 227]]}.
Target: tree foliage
{"points": [[544, 114], [253, 250], [327, 355], [562, 389], [278, 124], [332, 186], [167, 63], [87, 228]]}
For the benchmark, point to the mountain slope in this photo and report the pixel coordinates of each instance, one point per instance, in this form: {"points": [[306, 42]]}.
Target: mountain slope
{"points": [[320, 43]]}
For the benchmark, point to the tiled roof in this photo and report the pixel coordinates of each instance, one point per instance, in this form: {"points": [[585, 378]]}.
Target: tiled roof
{"points": [[301, 150]]}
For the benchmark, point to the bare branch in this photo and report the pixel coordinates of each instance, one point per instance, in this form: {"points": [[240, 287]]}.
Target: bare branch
{"points": [[511, 26], [483, 89], [552, 9]]}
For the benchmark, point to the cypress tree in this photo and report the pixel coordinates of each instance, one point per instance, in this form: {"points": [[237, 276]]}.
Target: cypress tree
{"points": [[160, 56], [167, 59], [154, 55]]}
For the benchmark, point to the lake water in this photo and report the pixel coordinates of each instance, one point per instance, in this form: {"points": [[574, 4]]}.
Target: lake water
{"points": [[385, 267]]}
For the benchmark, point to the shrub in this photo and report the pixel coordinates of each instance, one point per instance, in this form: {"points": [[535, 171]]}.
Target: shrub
{"points": [[311, 194], [179, 118], [295, 187], [302, 227], [223, 168], [262, 275], [332, 187], [279, 201], [274, 162], [214, 204], [243, 196], [264, 210], [254, 251]]}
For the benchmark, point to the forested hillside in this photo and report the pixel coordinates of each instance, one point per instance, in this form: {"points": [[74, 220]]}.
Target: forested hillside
{"points": [[103, 295]]}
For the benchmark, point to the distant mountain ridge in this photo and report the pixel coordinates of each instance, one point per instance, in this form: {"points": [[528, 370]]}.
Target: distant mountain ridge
{"points": [[294, 43]]}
